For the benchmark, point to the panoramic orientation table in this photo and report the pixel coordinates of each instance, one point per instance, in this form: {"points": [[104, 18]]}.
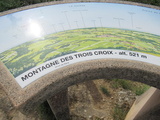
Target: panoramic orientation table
{"points": [[48, 47]]}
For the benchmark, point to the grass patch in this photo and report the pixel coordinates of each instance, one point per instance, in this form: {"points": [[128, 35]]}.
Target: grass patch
{"points": [[105, 91], [119, 113], [137, 88], [141, 89], [125, 84], [117, 83]]}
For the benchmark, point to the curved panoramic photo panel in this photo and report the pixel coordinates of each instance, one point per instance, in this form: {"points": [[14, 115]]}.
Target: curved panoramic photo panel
{"points": [[40, 40]]}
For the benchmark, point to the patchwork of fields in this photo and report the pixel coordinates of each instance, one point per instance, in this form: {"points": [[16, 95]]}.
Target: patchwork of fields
{"points": [[30, 54]]}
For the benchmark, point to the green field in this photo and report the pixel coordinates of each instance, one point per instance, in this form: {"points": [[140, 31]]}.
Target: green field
{"points": [[30, 54]]}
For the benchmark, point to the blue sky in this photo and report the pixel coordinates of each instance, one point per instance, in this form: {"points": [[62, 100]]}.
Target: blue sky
{"points": [[20, 27]]}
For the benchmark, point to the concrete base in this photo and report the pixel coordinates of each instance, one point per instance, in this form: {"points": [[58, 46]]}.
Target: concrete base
{"points": [[59, 105], [144, 104]]}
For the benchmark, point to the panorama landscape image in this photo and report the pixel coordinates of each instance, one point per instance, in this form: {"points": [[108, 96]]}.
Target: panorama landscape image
{"points": [[33, 53]]}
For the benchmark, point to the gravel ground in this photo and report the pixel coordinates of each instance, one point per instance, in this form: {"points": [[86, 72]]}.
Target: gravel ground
{"points": [[87, 102]]}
